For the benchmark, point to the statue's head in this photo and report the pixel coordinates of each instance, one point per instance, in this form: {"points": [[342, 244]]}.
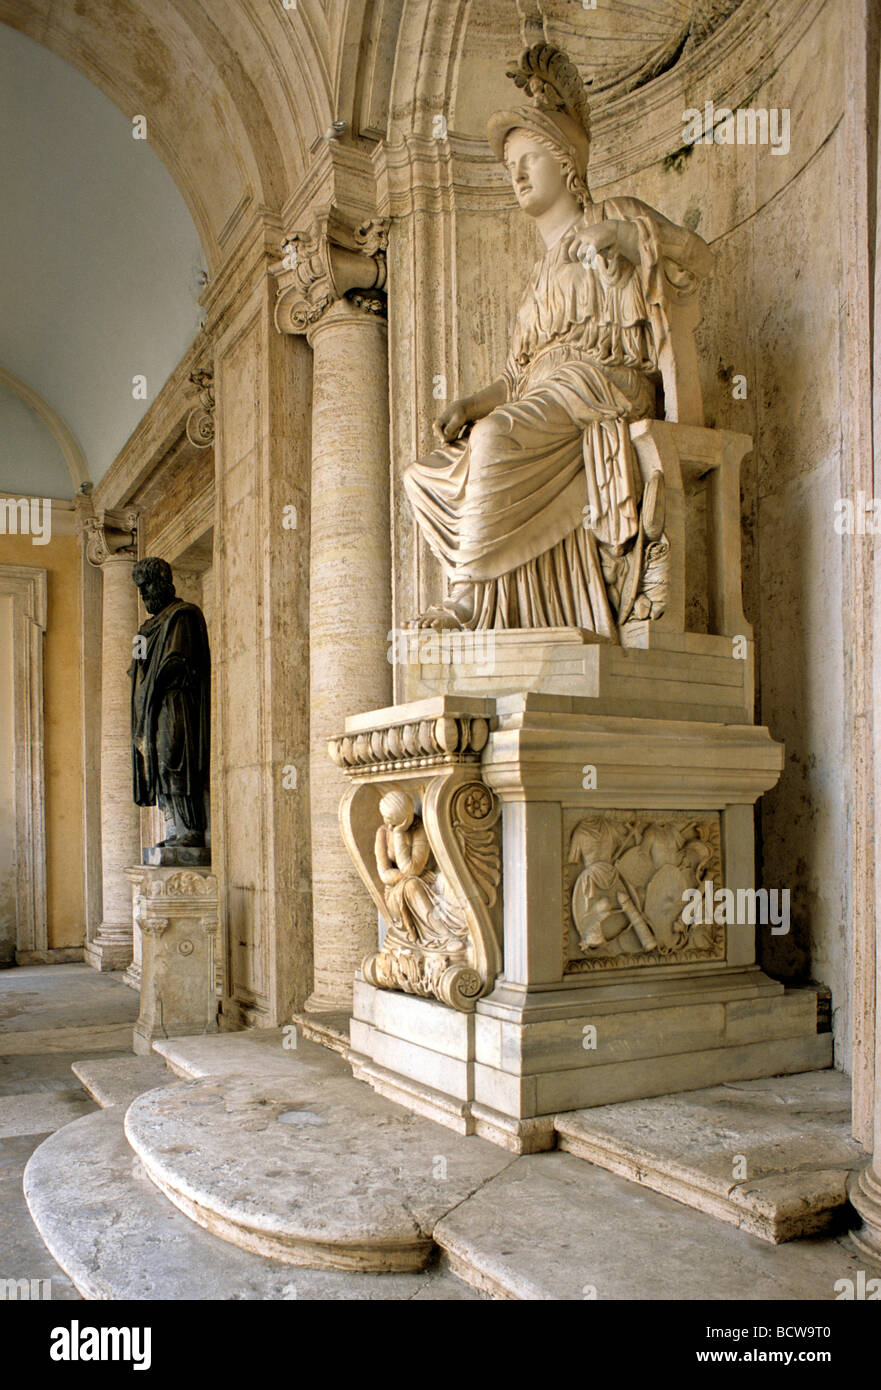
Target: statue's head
{"points": [[536, 171], [155, 583], [397, 809], [545, 146]]}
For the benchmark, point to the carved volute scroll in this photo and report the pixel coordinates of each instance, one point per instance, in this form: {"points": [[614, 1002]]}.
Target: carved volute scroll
{"points": [[107, 534], [200, 421], [322, 264], [424, 833]]}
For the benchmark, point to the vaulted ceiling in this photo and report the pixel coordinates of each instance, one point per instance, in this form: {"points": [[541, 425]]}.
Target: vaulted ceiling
{"points": [[100, 274], [104, 236]]}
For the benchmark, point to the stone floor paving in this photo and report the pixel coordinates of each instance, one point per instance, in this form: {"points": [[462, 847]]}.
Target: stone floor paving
{"points": [[540, 1227]]}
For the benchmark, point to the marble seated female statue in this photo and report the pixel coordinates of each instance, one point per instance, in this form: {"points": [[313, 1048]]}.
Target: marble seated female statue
{"points": [[535, 505]]}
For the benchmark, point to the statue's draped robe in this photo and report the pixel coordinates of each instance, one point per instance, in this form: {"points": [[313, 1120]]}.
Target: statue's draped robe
{"points": [[544, 493], [171, 713]]}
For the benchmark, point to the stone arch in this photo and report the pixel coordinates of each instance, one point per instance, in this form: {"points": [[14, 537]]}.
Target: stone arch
{"points": [[234, 101], [57, 427]]}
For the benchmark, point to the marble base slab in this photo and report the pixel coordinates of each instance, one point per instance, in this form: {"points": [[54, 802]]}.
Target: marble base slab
{"points": [[658, 674], [507, 1070], [773, 1157], [177, 856]]}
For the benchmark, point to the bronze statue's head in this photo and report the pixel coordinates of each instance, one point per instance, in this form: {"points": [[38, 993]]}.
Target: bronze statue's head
{"points": [[155, 582]]}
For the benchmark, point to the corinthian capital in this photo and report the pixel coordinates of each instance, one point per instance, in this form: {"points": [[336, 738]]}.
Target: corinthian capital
{"points": [[326, 263]]}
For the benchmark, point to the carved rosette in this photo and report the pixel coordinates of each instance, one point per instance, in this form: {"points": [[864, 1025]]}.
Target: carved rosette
{"points": [[424, 833], [329, 261], [200, 421]]}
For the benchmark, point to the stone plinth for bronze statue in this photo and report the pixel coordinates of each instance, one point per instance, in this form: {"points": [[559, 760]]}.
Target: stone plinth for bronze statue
{"points": [[175, 914], [556, 825]]}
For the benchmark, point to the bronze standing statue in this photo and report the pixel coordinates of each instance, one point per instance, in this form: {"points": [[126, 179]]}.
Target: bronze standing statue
{"points": [[171, 674]]}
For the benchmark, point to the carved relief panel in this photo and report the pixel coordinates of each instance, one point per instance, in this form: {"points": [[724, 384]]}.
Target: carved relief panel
{"points": [[635, 889]]}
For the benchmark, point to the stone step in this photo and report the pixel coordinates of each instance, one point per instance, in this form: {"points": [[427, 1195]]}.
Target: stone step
{"points": [[552, 1227], [310, 1167], [772, 1156], [311, 1164], [118, 1080], [70, 1008], [117, 1237], [269, 1051], [329, 1029]]}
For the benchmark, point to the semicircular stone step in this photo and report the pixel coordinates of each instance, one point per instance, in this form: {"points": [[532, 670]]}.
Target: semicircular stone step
{"points": [[117, 1237], [320, 1172]]}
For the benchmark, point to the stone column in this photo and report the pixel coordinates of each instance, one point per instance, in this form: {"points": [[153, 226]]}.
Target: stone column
{"points": [[866, 1192], [350, 558], [113, 553]]}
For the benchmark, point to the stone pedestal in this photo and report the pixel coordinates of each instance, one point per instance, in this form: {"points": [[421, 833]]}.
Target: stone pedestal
{"points": [[568, 845], [559, 830], [176, 914]]}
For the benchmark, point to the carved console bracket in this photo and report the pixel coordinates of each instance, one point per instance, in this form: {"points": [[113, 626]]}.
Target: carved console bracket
{"points": [[329, 261], [200, 421], [424, 833], [107, 534]]}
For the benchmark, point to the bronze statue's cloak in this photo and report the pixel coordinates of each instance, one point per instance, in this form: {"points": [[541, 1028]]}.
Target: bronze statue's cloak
{"points": [[170, 706]]}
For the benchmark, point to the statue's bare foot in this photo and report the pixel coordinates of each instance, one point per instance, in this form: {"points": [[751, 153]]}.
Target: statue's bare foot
{"points": [[439, 617]]}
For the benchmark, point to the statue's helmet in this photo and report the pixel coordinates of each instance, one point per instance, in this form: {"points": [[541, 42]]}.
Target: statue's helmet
{"points": [[559, 113]]}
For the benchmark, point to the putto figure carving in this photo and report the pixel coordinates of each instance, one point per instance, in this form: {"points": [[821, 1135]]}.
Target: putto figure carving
{"points": [[171, 674], [419, 912], [539, 515], [435, 873]]}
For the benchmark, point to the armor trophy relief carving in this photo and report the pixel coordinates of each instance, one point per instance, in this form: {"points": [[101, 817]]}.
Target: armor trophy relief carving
{"points": [[630, 897], [531, 857]]}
